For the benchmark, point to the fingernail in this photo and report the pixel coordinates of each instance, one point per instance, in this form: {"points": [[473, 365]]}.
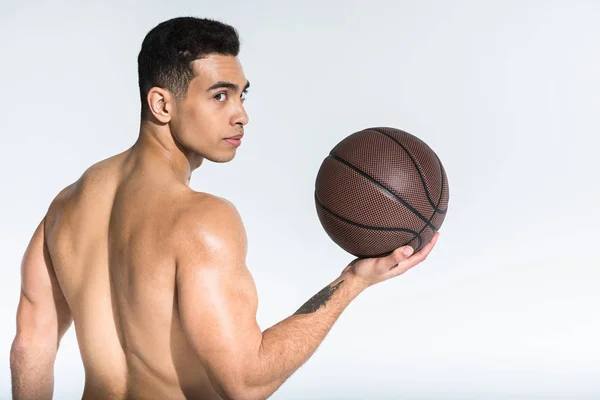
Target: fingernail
{"points": [[407, 251]]}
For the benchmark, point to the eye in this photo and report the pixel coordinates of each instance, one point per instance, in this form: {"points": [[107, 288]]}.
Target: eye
{"points": [[219, 98], [243, 96]]}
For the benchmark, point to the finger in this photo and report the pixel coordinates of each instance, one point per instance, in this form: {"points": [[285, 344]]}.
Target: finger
{"points": [[397, 256], [409, 262], [424, 252]]}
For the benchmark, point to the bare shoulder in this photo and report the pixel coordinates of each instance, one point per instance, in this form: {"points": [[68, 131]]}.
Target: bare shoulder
{"points": [[59, 202], [204, 211], [92, 177], [93, 184], [88, 179], [210, 227]]}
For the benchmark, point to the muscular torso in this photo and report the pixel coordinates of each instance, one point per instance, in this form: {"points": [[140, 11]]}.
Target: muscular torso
{"points": [[110, 236]]}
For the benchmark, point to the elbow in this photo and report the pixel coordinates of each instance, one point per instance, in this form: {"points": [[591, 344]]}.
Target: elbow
{"points": [[25, 353], [237, 388], [239, 392], [19, 349], [240, 380], [16, 350], [28, 344]]}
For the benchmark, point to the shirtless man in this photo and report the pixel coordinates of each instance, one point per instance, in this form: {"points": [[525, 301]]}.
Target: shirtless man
{"points": [[152, 273]]}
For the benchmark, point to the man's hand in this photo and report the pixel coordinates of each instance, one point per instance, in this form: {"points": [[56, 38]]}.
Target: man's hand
{"points": [[374, 270]]}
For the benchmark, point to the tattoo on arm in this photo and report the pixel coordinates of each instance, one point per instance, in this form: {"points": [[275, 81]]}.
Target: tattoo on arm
{"points": [[318, 299]]}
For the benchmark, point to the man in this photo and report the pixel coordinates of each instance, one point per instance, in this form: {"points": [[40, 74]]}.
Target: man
{"points": [[152, 273]]}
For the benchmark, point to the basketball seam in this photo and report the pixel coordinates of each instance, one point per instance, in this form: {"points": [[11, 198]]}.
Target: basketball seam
{"points": [[406, 204], [376, 228], [417, 167], [444, 184], [442, 188], [439, 200], [415, 234]]}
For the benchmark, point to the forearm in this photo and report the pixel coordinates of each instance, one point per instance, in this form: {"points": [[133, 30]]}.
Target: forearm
{"points": [[289, 344], [32, 370]]}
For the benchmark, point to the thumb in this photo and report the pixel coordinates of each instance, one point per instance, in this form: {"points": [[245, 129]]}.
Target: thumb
{"points": [[407, 250], [400, 254]]}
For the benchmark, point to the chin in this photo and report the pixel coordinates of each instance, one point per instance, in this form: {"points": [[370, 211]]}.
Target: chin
{"points": [[221, 158]]}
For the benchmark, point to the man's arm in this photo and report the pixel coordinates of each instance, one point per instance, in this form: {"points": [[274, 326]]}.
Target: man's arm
{"points": [[218, 302], [43, 317]]}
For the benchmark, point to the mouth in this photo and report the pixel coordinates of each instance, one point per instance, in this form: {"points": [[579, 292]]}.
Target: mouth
{"points": [[235, 140]]}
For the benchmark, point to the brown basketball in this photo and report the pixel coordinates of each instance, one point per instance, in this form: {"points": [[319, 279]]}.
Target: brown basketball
{"points": [[380, 189]]}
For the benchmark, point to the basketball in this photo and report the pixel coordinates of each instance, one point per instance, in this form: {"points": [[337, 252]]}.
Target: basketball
{"points": [[380, 189]]}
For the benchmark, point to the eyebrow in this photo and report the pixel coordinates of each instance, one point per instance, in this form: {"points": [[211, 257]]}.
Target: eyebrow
{"points": [[228, 85]]}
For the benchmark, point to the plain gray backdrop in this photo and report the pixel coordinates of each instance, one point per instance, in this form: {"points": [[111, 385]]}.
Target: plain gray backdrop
{"points": [[507, 93]]}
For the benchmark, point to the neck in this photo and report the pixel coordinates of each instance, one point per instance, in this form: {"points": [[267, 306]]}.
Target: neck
{"points": [[157, 145]]}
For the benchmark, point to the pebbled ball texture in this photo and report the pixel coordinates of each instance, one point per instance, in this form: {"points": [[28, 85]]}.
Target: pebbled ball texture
{"points": [[380, 189]]}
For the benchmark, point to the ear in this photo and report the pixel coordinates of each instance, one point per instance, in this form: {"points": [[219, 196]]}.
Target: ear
{"points": [[161, 104]]}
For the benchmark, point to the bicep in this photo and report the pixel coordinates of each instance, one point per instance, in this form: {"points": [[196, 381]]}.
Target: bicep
{"points": [[217, 303], [217, 310]]}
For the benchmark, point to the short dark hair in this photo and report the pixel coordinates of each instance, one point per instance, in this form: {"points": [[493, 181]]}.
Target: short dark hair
{"points": [[169, 49]]}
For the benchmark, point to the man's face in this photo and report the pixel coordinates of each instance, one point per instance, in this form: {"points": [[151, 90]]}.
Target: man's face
{"points": [[213, 109]]}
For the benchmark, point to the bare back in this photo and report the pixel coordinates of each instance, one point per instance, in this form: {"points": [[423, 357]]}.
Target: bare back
{"points": [[110, 237]]}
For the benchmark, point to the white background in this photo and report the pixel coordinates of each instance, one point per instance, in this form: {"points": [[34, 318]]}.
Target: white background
{"points": [[507, 94]]}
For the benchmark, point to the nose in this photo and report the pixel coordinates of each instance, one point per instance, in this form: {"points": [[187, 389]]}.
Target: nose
{"points": [[240, 117]]}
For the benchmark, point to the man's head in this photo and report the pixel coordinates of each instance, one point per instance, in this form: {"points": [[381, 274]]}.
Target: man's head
{"points": [[191, 80]]}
